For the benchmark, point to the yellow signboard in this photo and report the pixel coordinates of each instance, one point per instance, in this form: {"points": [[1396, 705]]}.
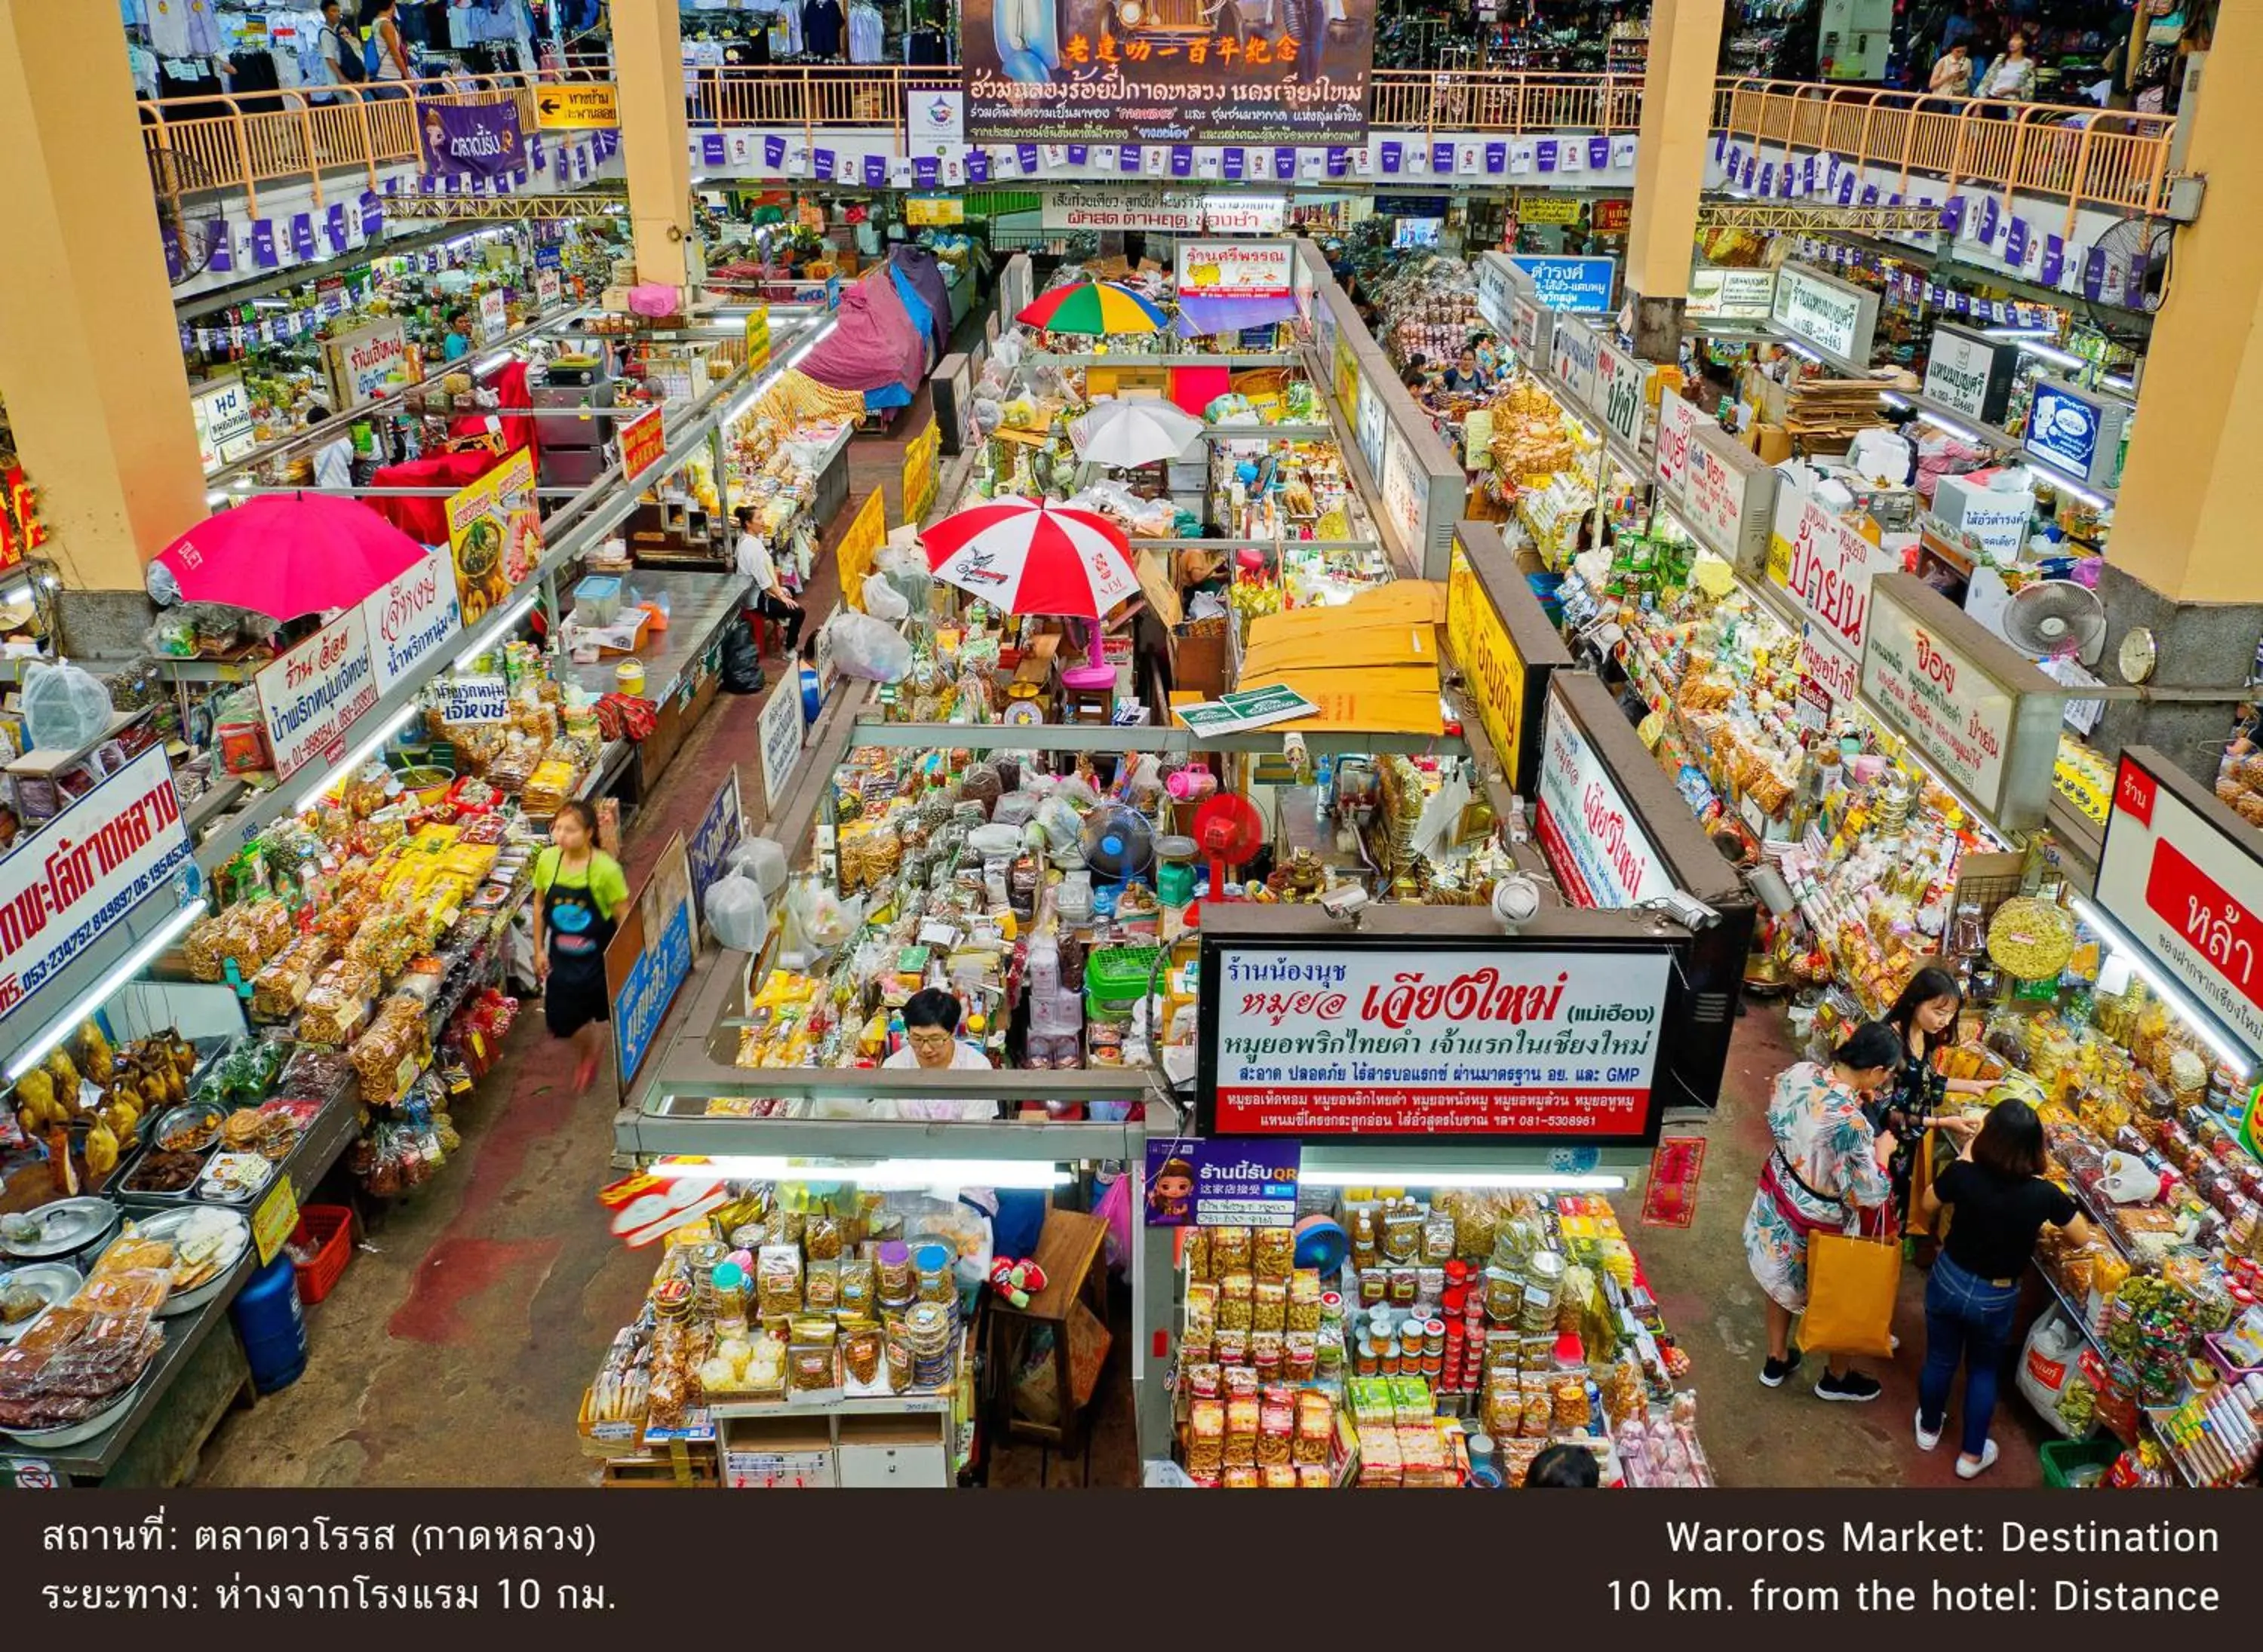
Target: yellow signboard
{"points": [[919, 471], [758, 336], [494, 534], [868, 531], [275, 1220], [934, 211], [577, 105], [1543, 207], [1492, 669], [1347, 380]]}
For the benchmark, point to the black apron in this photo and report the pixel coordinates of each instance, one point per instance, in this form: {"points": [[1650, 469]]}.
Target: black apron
{"points": [[577, 934]]}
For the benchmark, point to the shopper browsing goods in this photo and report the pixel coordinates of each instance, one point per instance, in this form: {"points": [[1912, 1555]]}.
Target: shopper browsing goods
{"points": [[2001, 1202], [1826, 1175], [579, 892]]}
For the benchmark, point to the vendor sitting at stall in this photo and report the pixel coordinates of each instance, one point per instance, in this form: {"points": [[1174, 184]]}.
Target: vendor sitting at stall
{"points": [[1465, 377], [931, 1042]]}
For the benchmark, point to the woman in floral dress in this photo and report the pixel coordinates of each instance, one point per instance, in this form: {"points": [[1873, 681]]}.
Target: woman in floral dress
{"points": [[1827, 1174]]}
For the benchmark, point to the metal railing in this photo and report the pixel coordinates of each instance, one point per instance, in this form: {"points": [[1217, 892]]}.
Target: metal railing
{"points": [[285, 137], [2089, 156]]}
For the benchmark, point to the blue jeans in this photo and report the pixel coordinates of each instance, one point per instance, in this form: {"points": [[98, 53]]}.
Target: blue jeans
{"points": [[1966, 1319]]}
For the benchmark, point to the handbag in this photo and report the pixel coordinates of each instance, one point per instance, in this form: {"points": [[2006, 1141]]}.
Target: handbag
{"points": [[1852, 1285]]}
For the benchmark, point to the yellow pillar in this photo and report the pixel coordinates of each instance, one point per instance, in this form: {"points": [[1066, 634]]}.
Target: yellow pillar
{"points": [[1677, 123], [2185, 522], [655, 140], [90, 356]]}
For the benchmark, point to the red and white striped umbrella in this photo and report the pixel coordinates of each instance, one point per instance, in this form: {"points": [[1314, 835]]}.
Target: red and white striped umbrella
{"points": [[1026, 557]]}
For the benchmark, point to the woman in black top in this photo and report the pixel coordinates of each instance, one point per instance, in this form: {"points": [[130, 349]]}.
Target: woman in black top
{"points": [[2001, 1202], [1924, 1017]]}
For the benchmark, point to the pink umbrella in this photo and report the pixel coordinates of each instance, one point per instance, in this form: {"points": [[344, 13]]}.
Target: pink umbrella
{"points": [[288, 554], [1026, 557]]}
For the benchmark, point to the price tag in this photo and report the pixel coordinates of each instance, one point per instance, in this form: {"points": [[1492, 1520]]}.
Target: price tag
{"points": [[478, 700], [276, 1219]]}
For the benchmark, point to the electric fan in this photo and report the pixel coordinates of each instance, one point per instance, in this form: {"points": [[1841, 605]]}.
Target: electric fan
{"points": [[1119, 843], [1227, 829], [2057, 617]]}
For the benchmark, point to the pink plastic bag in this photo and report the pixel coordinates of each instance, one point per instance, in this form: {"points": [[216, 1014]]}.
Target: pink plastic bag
{"points": [[1115, 1206], [655, 300]]}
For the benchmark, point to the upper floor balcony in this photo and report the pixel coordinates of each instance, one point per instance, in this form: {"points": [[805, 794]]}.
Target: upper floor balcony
{"points": [[2098, 162]]}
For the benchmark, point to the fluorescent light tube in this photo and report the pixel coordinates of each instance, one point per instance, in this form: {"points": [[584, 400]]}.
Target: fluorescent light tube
{"points": [[495, 629], [88, 1002], [1598, 1182], [897, 1174], [352, 764]]}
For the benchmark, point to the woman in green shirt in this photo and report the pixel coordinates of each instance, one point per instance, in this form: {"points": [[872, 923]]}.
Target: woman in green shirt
{"points": [[579, 891]]}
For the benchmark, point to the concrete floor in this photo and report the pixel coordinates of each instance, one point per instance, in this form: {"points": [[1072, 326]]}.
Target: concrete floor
{"points": [[455, 1349]]}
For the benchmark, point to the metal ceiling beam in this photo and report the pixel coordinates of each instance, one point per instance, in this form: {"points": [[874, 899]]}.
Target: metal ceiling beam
{"points": [[524, 208], [1911, 216]]}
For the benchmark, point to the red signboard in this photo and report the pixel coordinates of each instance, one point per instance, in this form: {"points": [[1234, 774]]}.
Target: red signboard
{"points": [[644, 438]]}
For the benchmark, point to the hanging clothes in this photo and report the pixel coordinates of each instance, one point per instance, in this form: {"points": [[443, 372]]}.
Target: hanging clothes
{"points": [[821, 25], [867, 32]]}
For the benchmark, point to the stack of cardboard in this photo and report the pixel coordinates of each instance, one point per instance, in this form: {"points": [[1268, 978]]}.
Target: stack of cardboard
{"points": [[1824, 414]]}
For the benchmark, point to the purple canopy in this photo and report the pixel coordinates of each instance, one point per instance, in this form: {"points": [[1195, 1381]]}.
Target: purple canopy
{"points": [[875, 344], [1200, 316]]}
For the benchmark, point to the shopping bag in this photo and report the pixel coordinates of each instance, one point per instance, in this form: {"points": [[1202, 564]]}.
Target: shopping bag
{"points": [[1851, 1286]]}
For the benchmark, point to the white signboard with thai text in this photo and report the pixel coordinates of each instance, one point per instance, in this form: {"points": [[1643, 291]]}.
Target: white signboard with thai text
{"points": [[1601, 856], [313, 694]]}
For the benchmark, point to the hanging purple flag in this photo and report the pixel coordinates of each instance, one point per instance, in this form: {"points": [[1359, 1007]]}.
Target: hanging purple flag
{"points": [[219, 247], [1230, 164], [263, 245], [978, 166], [1127, 158], [2015, 242], [334, 221], [537, 156], [1751, 165], [1543, 154], [1079, 154], [2054, 264], [2093, 273], [1988, 220], [1496, 157], [1807, 177], [822, 161], [1441, 157], [1182, 160], [1598, 155], [1952, 215], [773, 151], [174, 268], [876, 172], [1720, 143], [1847, 187], [1284, 163], [1736, 163], [1339, 160], [1026, 155], [927, 171], [1767, 179], [1390, 153]]}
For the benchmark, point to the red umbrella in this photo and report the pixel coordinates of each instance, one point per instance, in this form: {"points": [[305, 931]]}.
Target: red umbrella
{"points": [[1026, 557], [288, 554]]}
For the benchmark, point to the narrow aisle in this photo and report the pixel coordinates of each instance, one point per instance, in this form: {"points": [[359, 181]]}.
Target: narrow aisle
{"points": [[489, 1295]]}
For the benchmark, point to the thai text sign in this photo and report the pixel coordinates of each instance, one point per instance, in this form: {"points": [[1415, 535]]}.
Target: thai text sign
{"points": [[1833, 315], [411, 618], [1194, 1181], [482, 139], [1950, 709], [1493, 670], [1598, 850], [313, 694], [1826, 567], [2183, 878], [644, 439], [364, 362], [1181, 75], [1234, 269], [494, 534], [648, 961], [85, 869], [1622, 387], [1396, 1038]]}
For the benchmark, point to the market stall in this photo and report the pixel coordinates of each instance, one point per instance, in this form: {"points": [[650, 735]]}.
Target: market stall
{"points": [[1355, 1300]]}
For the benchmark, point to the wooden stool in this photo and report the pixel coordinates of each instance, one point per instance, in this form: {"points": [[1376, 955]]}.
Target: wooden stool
{"points": [[1070, 1249], [1089, 694]]}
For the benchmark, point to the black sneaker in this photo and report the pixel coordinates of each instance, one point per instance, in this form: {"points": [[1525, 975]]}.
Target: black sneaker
{"points": [[1773, 1373], [1853, 1389]]}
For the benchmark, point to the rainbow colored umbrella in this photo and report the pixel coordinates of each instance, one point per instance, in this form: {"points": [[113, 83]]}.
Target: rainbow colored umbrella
{"points": [[1093, 307]]}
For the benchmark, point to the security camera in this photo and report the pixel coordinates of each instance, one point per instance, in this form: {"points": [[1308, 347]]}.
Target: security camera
{"points": [[1344, 901], [1516, 900], [1687, 910]]}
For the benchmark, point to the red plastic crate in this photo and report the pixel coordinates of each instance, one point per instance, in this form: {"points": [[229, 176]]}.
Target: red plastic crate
{"points": [[328, 1230]]}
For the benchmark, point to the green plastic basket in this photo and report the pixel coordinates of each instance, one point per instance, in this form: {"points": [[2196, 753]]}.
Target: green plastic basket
{"points": [[1115, 977], [2077, 1465]]}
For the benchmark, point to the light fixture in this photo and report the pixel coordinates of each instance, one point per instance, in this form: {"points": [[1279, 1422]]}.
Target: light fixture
{"points": [[900, 1175], [1536, 1181], [1891, 399], [2210, 1031], [1962, 432], [2065, 484], [351, 765], [2115, 381], [2028, 345], [1798, 349], [503, 622], [93, 999]]}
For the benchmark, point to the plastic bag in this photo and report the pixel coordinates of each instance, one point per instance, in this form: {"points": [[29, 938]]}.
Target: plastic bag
{"points": [[883, 601], [2049, 1368], [64, 706], [763, 860], [735, 912], [743, 662], [868, 649]]}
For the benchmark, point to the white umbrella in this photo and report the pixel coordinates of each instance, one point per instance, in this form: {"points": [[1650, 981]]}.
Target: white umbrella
{"points": [[1124, 434]]}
